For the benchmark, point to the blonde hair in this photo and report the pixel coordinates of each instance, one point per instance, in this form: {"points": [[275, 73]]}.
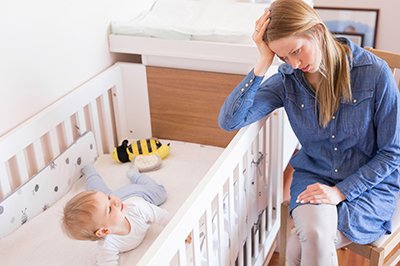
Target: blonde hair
{"points": [[295, 17], [78, 220]]}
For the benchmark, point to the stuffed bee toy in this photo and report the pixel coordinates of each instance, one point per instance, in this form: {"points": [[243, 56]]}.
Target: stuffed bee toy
{"points": [[126, 152]]}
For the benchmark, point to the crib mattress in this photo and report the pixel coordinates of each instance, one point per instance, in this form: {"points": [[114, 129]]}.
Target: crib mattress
{"points": [[42, 242]]}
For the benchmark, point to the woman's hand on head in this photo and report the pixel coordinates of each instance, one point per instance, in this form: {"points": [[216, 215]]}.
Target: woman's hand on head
{"points": [[266, 54], [321, 194]]}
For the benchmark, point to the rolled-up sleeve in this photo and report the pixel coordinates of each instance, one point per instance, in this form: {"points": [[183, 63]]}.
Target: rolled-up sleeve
{"points": [[251, 100]]}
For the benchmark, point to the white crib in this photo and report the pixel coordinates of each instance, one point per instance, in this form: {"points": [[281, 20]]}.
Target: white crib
{"points": [[239, 196]]}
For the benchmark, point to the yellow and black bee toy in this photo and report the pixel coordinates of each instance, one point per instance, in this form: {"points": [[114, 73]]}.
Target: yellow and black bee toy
{"points": [[126, 152]]}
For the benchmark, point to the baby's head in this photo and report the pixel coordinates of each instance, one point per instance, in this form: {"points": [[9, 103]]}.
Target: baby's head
{"points": [[79, 219], [92, 215]]}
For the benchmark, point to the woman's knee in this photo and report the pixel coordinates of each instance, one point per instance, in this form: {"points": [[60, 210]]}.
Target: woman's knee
{"points": [[314, 223]]}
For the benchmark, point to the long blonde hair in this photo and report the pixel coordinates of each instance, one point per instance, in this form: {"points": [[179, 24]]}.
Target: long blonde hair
{"points": [[295, 17]]}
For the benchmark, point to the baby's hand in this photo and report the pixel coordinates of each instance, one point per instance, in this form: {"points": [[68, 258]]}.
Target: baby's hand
{"points": [[188, 239]]}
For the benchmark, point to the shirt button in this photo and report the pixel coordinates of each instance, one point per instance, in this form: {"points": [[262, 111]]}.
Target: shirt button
{"points": [[302, 105], [336, 170], [333, 136], [242, 89], [246, 85], [354, 100], [251, 80], [335, 148], [333, 117]]}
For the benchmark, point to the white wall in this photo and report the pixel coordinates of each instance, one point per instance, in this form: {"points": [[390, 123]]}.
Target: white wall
{"points": [[388, 23], [48, 47]]}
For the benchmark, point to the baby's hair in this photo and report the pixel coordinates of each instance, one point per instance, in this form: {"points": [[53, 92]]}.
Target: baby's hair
{"points": [[78, 221]]}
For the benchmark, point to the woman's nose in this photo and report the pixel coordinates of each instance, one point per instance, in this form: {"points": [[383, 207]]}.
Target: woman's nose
{"points": [[294, 63]]}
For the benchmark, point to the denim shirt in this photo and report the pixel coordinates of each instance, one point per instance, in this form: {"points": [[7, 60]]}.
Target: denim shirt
{"points": [[358, 151]]}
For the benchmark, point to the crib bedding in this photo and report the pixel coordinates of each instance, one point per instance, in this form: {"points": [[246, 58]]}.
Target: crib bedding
{"points": [[42, 242]]}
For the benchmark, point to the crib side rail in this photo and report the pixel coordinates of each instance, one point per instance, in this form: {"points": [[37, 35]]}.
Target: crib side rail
{"points": [[222, 184], [28, 148]]}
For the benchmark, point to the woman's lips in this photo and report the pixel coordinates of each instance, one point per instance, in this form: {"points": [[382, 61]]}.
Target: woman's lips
{"points": [[305, 69]]}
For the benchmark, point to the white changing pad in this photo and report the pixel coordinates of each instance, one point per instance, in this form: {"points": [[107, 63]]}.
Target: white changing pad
{"points": [[194, 20], [42, 242], [217, 20]]}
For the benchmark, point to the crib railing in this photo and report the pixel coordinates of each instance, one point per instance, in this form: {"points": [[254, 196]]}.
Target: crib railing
{"points": [[239, 183], [28, 148]]}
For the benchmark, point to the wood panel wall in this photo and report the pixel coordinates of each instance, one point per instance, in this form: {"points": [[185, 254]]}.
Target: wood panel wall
{"points": [[184, 104]]}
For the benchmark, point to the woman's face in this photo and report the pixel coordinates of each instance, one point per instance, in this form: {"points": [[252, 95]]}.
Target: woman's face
{"points": [[300, 52]]}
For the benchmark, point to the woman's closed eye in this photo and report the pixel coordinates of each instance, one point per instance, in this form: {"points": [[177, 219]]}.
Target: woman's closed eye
{"points": [[297, 51]]}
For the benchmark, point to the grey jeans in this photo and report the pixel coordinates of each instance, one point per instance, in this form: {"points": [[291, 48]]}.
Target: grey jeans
{"points": [[315, 238]]}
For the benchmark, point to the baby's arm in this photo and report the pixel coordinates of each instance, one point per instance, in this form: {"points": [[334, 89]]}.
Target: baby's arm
{"points": [[107, 255], [153, 213]]}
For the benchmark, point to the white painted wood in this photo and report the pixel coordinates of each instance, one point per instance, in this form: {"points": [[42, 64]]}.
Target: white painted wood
{"points": [[189, 53], [134, 101], [38, 154], [248, 247], [54, 143], [118, 100], [209, 235], [182, 254], [22, 167], [221, 227], [232, 230], [94, 120], [196, 245], [5, 186], [68, 132], [108, 126], [81, 121], [50, 117]]}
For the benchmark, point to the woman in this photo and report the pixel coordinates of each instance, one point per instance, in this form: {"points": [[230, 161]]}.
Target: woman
{"points": [[343, 104]]}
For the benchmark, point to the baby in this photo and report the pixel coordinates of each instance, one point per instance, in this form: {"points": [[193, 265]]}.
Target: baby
{"points": [[119, 219]]}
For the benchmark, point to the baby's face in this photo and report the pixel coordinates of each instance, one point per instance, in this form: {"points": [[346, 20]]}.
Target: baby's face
{"points": [[110, 212]]}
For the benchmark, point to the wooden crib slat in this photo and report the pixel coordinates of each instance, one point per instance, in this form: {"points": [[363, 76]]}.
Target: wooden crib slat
{"points": [[95, 125], [232, 235], [196, 245], [22, 167], [108, 125], [119, 112], [54, 144], [220, 227], [5, 186], [69, 138], [242, 210], [209, 235], [248, 247], [80, 115], [182, 254], [39, 155]]}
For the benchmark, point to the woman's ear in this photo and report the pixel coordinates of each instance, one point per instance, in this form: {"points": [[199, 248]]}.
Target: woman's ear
{"points": [[102, 232]]}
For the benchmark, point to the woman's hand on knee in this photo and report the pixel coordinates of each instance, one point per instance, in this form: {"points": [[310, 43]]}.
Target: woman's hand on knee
{"points": [[321, 194]]}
